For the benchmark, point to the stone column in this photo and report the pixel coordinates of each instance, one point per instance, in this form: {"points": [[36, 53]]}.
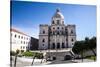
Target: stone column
{"points": [[60, 41], [65, 42], [55, 42]]}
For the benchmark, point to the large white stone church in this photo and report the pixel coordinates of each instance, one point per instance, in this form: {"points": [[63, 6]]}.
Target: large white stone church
{"points": [[57, 35]]}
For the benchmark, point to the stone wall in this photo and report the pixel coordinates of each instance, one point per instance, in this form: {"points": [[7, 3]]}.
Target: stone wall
{"points": [[57, 55]]}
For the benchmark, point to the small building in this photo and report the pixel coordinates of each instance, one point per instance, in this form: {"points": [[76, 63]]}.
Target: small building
{"points": [[33, 44], [21, 41]]}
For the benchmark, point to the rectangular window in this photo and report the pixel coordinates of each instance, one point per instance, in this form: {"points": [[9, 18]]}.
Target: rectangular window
{"points": [[21, 42], [19, 36], [22, 37], [24, 42], [57, 21], [15, 35], [23, 47]]}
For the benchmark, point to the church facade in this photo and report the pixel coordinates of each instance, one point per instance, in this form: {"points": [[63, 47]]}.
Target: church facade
{"points": [[57, 35]]}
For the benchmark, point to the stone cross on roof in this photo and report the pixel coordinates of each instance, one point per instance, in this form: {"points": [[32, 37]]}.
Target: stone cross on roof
{"points": [[57, 10]]}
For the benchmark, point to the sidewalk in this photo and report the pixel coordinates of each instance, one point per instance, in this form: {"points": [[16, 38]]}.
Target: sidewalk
{"points": [[84, 60], [26, 62], [23, 61]]}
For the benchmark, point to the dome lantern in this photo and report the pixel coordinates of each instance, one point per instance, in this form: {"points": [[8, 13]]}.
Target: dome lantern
{"points": [[58, 17], [58, 14]]}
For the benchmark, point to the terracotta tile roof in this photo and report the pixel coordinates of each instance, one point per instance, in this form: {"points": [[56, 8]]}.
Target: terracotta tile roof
{"points": [[14, 30]]}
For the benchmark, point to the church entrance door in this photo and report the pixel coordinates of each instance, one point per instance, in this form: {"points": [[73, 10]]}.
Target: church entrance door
{"points": [[53, 45], [58, 45]]}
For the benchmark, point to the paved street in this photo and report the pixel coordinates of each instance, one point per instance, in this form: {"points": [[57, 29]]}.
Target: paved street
{"points": [[22, 62], [26, 62]]}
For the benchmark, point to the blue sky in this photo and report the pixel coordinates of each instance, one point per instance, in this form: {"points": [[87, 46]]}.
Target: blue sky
{"points": [[26, 17]]}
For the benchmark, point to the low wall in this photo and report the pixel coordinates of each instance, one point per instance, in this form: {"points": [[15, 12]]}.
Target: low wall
{"points": [[57, 55]]}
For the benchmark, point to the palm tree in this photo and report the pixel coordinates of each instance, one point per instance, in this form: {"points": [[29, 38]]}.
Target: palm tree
{"points": [[33, 59], [17, 52]]}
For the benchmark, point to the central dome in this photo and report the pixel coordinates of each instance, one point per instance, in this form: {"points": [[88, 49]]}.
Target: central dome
{"points": [[58, 14]]}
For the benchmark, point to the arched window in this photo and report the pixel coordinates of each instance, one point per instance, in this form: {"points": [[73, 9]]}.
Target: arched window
{"points": [[72, 40], [53, 45], [57, 21], [58, 45], [43, 32], [57, 27], [52, 22], [58, 33], [43, 40], [66, 32], [71, 31], [63, 46]]}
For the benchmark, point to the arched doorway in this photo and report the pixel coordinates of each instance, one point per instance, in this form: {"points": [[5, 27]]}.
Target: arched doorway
{"points": [[67, 57], [58, 45], [53, 45], [63, 46], [54, 58], [66, 45]]}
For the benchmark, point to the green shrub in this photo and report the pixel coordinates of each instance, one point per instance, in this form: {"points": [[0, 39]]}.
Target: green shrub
{"points": [[39, 55], [22, 51], [31, 54], [27, 53], [17, 51]]}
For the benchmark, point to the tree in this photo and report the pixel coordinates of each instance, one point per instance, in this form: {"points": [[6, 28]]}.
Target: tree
{"points": [[78, 48], [81, 46], [17, 52], [92, 45]]}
